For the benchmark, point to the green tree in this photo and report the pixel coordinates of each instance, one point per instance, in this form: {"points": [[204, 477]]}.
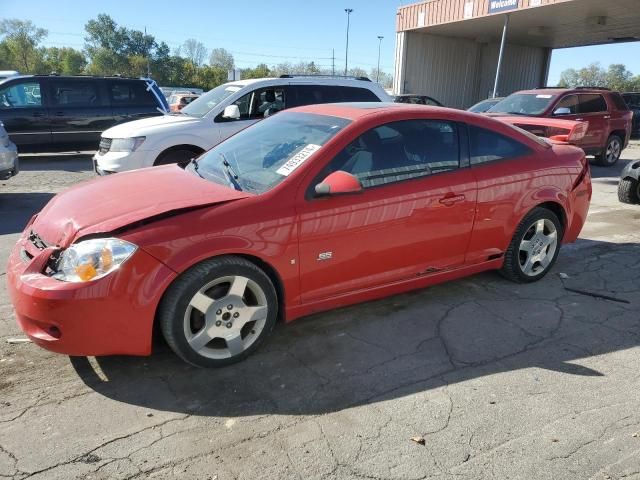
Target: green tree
{"points": [[260, 71], [618, 77], [66, 61], [20, 44]]}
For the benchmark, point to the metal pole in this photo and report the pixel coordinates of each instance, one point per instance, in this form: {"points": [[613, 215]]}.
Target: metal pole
{"points": [[378, 71], [504, 39], [346, 53]]}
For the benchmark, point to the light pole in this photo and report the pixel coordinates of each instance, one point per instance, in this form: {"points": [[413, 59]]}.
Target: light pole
{"points": [[346, 53], [379, 45]]}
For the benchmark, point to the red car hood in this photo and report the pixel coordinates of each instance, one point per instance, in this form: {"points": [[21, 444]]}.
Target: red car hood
{"points": [[108, 203]]}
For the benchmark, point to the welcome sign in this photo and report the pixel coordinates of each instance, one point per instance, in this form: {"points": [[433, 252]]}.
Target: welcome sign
{"points": [[496, 6]]}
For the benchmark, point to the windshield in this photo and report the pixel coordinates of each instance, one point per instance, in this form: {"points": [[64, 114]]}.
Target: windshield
{"points": [[203, 105], [523, 104], [263, 155]]}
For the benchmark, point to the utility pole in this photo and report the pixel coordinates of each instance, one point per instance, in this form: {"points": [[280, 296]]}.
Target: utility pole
{"points": [[145, 41], [346, 52], [500, 55], [378, 71], [333, 61]]}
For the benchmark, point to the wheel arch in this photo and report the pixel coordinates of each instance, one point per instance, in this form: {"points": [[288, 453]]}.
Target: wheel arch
{"points": [[186, 146], [558, 210], [265, 266], [622, 133]]}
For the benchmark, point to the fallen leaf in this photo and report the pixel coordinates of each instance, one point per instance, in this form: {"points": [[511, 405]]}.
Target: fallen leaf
{"points": [[563, 275], [418, 440]]}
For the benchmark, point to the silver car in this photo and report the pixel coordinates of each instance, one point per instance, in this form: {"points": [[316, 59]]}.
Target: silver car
{"points": [[8, 156]]}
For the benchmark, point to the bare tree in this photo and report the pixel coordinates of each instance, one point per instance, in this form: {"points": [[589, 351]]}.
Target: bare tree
{"points": [[194, 51], [221, 58]]}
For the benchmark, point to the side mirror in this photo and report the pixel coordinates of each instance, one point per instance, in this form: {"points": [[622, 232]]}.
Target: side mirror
{"points": [[338, 183], [231, 112], [562, 111]]}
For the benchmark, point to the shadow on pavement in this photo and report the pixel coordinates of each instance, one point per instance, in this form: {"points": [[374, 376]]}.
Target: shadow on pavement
{"points": [[17, 208], [60, 162], [609, 172], [462, 330]]}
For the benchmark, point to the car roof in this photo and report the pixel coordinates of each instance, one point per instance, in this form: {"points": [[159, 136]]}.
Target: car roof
{"points": [[311, 79], [558, 91], [356, 110]]}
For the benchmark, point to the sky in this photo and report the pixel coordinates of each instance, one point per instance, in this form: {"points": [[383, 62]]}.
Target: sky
{"points": [[271, 32]]}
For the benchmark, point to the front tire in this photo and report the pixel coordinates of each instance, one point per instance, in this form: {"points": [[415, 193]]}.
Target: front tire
{"points": [[218, 312], [180, 157], [534, 247], [629, 190], [611, 153]]}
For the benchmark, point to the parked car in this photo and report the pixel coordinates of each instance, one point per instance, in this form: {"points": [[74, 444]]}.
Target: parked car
{"points": [[484, 105], [417, 100], [314, 208], [53, 113], [9, 165], [632, 100], [8, 73], [608, 116], [629, 185], [178, 101], [217, 115]]}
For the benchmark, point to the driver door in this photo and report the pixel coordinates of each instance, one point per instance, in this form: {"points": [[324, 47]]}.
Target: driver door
{"points": [[413, 218]]}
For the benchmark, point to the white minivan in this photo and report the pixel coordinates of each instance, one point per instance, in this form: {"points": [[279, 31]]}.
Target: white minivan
{"points": [[218, 114]]}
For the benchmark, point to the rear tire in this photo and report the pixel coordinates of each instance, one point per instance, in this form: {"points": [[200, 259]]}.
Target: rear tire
{"points": [[180, 157], [534, 247], [611, 152], [218, 312], [629, 190]]}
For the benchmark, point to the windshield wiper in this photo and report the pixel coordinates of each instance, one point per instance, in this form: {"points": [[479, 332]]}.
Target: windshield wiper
{"points": [[195, 166], [231, 174]]}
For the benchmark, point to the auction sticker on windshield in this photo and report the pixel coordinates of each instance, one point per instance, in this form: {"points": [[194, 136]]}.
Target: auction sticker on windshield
{"points": [[298, 159]]}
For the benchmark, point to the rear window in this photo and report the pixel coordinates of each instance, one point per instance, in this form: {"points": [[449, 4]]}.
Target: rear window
{"points": [[315, 94], [131, 93], [618, 101]]}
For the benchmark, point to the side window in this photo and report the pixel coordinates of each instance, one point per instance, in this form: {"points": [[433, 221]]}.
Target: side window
{"points": [[20, 95], [125, 93], [254, 105], [486, 146], [400, 151], [570, 102], [74, 93], [309, 95], [353, 94], [592, 103]]}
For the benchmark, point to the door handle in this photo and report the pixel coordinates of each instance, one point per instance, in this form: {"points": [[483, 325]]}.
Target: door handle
{"points": [[38, 114], [451, 199], [607, 117], [579, 119], [59, 114]]}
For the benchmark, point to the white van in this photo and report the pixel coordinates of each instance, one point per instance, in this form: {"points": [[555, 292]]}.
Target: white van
{"points": [[8, 73], [217, 115]]}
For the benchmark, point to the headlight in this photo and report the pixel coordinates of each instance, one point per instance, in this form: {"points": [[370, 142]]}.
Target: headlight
{"points": [[92, 259], [126, 144]]}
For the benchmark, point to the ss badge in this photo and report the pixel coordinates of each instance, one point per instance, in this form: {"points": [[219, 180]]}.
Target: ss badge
{"points": [[324, 256]]}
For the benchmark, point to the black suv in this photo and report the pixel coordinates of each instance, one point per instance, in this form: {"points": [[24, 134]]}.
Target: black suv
{"points": [[54, 113], [633, 102]]}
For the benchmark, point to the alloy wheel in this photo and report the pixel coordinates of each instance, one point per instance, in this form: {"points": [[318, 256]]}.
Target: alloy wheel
{"points": [[225, 317], [538, 247]]}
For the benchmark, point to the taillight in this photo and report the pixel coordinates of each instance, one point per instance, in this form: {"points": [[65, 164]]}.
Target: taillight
{"points": [[577, 133], [583, 172]]}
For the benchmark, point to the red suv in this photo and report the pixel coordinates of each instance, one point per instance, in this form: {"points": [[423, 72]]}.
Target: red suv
{"points": [[607, 113]]}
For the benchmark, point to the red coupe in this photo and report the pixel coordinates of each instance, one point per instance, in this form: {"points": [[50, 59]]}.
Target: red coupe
{"points": [[312, 209]]}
